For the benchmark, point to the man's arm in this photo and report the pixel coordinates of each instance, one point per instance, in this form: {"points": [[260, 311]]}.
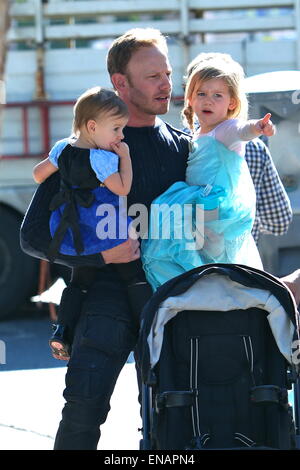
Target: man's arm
{"points": [[35, 234], [123, 253], [273, 207]]}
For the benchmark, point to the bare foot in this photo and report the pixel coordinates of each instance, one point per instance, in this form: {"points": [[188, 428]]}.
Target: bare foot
{"points": [[59, 351], [60, 357]]}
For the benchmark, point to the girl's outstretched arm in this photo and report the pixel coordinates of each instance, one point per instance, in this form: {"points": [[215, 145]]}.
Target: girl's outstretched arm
{"points": [[43, 170]]}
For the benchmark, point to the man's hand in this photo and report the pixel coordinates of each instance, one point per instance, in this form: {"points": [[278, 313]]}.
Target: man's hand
{"points": [[123, 253]]}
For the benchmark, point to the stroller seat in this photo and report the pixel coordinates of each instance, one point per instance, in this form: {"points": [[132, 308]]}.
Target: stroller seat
{"points": [[219, 347]]}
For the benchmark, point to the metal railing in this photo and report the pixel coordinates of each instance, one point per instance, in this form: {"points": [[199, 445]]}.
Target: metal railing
{"points": [[43, 107], [178, 17]]}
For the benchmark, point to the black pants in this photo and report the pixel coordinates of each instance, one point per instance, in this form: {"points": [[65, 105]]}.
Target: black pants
{"points": [[106, 333], [82, 278]]}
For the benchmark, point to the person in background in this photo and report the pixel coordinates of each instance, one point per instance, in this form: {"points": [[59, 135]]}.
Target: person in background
{"points": [[273, 207], [292, 281]]}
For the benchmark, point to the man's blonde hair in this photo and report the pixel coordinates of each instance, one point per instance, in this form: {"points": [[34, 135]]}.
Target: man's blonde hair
{"points": [[94, 103], [126, 45], [215, 65]]}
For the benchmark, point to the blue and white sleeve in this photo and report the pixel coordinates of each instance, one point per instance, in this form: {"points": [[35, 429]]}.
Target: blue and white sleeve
{"points": [[56, 151], [104, 163]]}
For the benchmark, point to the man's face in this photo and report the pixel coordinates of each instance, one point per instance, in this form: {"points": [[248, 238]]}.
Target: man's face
{"points": [[149, 84]]}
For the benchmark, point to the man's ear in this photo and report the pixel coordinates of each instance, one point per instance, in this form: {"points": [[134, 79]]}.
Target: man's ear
{"points": [[119, 81]]}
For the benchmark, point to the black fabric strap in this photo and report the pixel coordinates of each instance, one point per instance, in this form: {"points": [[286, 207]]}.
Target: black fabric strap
{"points": [[69, 218]]}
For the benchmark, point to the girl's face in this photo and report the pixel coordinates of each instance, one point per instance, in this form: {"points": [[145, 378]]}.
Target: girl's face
{"points": [[106, 130], [211, 101]]}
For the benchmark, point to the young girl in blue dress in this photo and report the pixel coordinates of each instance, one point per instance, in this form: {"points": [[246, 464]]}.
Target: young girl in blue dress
{"points": [[87, 213], [209, 217]]}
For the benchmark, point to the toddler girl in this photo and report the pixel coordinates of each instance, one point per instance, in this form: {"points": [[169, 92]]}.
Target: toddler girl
{"points": [[209, 216], [88, 216]]}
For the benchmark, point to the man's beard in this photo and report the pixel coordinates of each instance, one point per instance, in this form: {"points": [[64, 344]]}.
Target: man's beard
{"points": [[152, 108], [141, 102]]}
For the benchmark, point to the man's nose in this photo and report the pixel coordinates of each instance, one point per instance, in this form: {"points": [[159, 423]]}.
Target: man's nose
{"points": [[166, 83]]}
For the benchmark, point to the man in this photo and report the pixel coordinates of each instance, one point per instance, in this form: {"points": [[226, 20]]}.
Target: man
{"points": [[140, 71], [107, 331]]}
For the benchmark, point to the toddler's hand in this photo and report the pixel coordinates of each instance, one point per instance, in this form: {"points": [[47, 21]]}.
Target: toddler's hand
{"points": [[121, 149], [265, 126]]}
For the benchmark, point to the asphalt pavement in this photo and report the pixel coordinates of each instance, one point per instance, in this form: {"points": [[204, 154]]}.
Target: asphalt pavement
{"points": [[32, 382]]}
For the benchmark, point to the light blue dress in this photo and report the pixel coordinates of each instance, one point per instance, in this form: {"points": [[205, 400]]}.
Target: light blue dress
{"points": [[207, 219]]}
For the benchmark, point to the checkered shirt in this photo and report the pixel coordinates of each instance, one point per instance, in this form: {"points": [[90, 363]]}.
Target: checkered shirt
{"points": [[273, 207]]}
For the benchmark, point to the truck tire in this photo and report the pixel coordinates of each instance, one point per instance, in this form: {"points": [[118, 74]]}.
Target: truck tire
{"points": [[18, 271]]}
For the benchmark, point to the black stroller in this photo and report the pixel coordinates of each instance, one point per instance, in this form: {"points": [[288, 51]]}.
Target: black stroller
{"points": [[219, 352]]}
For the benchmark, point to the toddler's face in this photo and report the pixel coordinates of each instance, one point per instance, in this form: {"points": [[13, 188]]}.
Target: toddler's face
{"points": [[108, 130], [211, 102]]}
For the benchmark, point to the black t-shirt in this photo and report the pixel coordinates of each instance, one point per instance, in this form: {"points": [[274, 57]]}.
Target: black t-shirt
{"points": [[159, 157]]}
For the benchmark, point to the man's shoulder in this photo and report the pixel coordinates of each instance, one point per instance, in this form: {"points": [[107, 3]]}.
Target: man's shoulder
{"points": [[176, 131]]}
